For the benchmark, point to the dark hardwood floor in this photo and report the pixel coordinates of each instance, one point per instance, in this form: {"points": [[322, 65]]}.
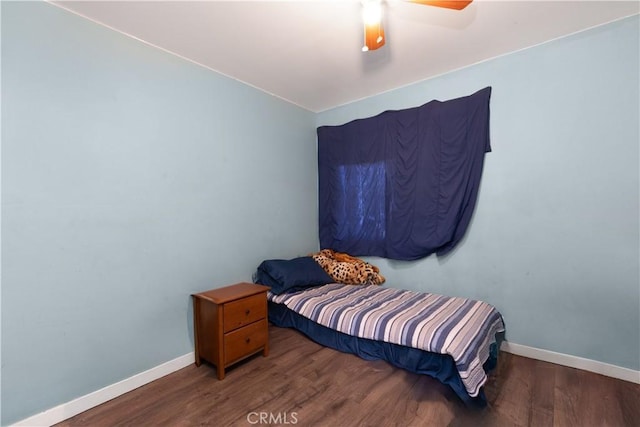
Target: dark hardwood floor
{"points": [[303, 383]]}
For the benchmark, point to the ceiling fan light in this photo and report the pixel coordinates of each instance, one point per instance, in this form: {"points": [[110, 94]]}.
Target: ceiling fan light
{"points": [[373, 31], [371, 12]]}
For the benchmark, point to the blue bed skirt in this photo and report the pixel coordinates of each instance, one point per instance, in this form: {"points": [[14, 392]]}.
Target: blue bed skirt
{"points": [[439, 366]]}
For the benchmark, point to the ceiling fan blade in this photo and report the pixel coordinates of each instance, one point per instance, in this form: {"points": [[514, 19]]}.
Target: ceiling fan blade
{"points": [[373, 31], [447, 4]]}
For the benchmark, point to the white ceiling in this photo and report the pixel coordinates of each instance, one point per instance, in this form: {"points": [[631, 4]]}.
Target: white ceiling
{"points": [[309, 52]]}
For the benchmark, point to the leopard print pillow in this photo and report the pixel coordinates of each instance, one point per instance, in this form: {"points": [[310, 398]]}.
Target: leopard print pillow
{"points": [[344, 268]]}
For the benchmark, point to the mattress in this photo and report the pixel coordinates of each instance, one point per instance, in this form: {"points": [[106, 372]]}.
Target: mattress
{"points": [[452, 339]]}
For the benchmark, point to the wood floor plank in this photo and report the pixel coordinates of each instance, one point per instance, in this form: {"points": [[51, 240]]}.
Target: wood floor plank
{"points": [[628, 398], [541, 408], [566, 396], [303, 383], [512, 405]]}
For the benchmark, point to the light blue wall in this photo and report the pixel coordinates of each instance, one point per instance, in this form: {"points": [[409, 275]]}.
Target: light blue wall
{"points": [[130, 179], [554, 240]]}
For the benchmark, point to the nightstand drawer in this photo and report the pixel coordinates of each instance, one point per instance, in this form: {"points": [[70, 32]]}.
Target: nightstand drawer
{"points": [[244, 341], [244, 311]]}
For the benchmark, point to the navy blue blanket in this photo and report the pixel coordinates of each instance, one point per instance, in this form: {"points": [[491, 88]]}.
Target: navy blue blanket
{"points": [[403, 184]]}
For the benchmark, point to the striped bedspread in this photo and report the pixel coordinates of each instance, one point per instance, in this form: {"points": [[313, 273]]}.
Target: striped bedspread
{"points": [[462, 328]]}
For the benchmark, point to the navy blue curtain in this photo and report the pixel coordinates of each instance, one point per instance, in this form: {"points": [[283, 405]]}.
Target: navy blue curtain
{"points": [[403, 184]]}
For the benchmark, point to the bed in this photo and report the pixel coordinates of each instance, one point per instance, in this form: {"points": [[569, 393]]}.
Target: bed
{"points": [[454, 340]]}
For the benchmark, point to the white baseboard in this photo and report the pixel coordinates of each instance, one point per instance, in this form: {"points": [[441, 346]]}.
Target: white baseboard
{"points": [[98, 397], [572, 361]]}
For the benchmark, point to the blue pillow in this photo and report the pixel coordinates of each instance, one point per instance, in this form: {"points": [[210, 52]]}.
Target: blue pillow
{"points": [[291, 275]]}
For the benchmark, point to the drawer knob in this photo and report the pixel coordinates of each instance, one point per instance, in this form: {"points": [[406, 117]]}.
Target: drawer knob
{"points": [[247, 312], [248, 340]]}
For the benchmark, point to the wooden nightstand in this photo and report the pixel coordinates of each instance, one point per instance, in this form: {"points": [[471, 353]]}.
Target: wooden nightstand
{"points": [[230, 324]]}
